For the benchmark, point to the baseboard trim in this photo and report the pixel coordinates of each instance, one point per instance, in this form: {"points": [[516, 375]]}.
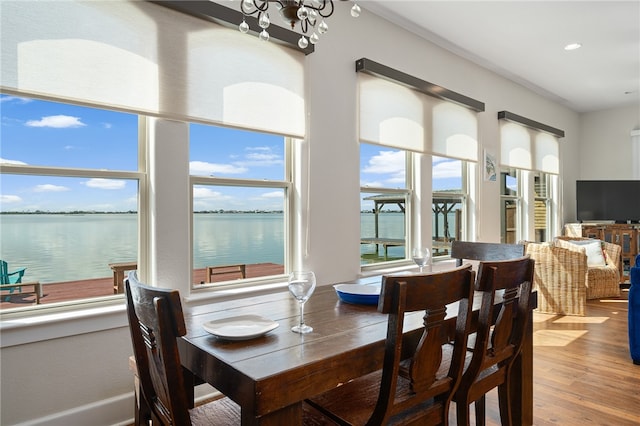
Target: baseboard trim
{"points": [[115, 411]]}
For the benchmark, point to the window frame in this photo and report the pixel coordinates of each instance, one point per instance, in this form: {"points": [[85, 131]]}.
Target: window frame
{"points": [[464, 196], [286, 184], [517, 199], [408, 192], [140, 175]]}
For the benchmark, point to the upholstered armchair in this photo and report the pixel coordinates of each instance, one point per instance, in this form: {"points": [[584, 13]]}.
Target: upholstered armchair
{"points": [[565, 280], [560, 277], [603, 280]]}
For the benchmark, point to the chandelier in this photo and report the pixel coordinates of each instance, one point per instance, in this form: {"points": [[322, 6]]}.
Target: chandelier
{"points": [[310, 14]]}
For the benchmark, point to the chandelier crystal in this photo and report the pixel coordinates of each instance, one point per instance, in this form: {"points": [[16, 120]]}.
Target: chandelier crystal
{"points": [[309, 14]]}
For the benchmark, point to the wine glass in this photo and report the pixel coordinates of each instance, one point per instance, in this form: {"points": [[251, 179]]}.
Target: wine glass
{"points": [[301, 286], [421, 257]]}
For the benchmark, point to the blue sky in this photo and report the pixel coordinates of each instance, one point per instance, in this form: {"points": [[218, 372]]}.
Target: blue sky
{"points": [[41, 133]]}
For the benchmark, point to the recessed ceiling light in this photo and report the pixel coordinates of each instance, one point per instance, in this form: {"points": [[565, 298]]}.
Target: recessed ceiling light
{"points": [[573, 46]]}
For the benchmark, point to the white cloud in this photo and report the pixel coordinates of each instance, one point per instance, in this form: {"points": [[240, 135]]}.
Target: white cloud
{"points": [[273, 194], [5, 161], [261, 156], [9, 199], [8, 98], [200, 192], [101, 183], [208, 169], [372, 184], [57, 122], [386, 162], [446, 169], [50, 188]]}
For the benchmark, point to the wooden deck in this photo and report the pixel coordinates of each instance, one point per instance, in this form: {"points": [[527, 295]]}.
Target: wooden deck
{"points": [[99, 287]]}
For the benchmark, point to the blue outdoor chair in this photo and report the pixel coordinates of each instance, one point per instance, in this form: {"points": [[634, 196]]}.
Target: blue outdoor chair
{"points": [[7, 277]]}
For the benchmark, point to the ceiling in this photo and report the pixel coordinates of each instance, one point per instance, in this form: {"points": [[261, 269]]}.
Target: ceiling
{"points": [[524, 41]]}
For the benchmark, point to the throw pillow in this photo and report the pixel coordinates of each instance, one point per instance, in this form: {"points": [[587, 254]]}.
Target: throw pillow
{"points": [[593, 249]]}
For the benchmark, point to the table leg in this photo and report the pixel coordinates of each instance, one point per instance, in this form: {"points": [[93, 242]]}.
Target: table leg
{"points": [[522, 380], [291, 415]]}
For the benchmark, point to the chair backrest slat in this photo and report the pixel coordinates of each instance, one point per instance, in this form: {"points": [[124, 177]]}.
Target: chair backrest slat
{"points": [[500, 334], [471, 250], [4, 272], [156, 321], [428, 293]]}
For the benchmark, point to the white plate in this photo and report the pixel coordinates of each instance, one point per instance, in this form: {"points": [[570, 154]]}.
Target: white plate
{"points": [[242, 327], [358, 289]]}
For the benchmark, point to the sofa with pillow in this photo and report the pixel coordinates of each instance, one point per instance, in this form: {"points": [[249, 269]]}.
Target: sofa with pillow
{"points": [[603, 274]]}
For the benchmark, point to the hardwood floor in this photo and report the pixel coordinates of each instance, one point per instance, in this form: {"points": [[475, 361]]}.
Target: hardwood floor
{"points": [[583, 373]]}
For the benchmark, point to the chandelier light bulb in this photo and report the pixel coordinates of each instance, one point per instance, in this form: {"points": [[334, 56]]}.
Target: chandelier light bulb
{"points": [[313, 15], [314, 38], [323, 27], [248, 6], [303, 13], [355, 10], [264, 35], [303, 42], [264, 21], [243, 27]]}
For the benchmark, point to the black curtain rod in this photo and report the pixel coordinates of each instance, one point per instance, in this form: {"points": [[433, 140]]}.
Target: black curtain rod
{"points": [[509, 116], [373, 68]]}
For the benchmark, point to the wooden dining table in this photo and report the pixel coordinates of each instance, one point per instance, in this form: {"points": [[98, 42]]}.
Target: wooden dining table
{"points": [[270, 376]]}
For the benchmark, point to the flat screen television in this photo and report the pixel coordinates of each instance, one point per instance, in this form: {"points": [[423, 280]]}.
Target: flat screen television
{"points": [[608, 200]]}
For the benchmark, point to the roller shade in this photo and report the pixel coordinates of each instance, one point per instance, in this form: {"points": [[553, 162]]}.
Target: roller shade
{"points": [[391, 114], [455, 131], [394, 115], [515, 146], [148, 59], [547, 153], [525, 148]]}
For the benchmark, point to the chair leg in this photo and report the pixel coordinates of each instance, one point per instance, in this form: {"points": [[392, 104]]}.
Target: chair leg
{"points": [[504, 400], [480, 405], [462, 413]]}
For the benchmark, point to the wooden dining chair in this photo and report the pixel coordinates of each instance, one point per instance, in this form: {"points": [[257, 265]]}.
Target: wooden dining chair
{"points": [[156, 321], [419, 373], [498, 339], [471, 250]]}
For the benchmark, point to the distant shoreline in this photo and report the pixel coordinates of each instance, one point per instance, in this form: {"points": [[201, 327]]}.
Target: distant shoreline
{"points": [[81, 212]]}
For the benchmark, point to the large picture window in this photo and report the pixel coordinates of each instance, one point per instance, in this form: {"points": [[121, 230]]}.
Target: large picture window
{"points": [[384, 193], [69, 203], [241, 183], [449, 195], [510, 201]]}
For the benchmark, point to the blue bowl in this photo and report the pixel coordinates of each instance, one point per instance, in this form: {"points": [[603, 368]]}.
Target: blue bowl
{"points": [[358, 293]]}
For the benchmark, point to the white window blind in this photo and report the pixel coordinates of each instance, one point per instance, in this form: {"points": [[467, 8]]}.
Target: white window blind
{"points": [[391, 114], [547, 153], [515, 146], [455, 131], [396, 116], [145, 58], [525, 148]]}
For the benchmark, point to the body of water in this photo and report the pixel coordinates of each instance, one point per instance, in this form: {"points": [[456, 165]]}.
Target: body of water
{"points": [[59, 247]]}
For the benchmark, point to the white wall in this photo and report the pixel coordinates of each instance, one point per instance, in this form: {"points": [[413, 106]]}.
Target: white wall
{"points": [[605, 143], [84, 378]]}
